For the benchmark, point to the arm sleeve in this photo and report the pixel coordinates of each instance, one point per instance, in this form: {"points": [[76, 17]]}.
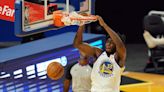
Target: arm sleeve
{"points": [[68, 71]]}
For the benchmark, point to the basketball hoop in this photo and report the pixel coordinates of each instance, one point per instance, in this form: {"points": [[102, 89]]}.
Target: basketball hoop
{"points": [[64, 19]]}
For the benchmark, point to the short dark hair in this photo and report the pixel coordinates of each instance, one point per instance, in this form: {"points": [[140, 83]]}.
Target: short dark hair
{"points": [[122, 36]]}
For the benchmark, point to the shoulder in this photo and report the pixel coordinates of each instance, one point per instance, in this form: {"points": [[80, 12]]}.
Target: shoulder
{"points": [[71, 65], [68, 70]]}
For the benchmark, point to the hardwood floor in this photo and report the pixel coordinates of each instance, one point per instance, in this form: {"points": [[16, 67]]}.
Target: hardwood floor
{"points": [[152, 82]]}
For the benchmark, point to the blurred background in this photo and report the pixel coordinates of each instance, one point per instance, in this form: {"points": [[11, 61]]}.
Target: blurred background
{"points": [[123, 16]]}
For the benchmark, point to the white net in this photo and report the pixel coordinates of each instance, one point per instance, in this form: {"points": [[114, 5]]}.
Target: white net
{"points": [[74, 18]]}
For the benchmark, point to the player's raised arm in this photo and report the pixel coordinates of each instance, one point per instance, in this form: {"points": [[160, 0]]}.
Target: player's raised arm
{"points": [[120, 47], [84, 48]]}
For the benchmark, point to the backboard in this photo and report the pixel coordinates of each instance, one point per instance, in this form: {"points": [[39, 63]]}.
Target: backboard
{"points": [[85, 6], [36, 16]]}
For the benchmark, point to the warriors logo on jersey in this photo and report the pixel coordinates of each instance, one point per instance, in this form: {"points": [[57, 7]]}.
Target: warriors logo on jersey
{"points": [[106, 69]]}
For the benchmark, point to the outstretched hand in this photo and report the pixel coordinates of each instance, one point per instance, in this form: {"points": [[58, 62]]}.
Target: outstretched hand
{"points": [[101, 21], [84, 14]]}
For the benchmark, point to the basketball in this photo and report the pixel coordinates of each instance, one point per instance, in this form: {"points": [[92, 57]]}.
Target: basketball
{"points": [[55, 70]]}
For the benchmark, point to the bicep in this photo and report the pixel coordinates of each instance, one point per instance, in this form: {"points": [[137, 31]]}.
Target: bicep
{"points": [[86, 49], [121, 53]]}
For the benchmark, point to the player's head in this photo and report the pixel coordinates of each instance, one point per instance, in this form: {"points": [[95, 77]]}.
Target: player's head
{"points": [[110, 46], [85, 58]]}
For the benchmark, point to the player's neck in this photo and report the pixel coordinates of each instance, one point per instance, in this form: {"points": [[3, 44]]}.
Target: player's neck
{"points": [[111, 53], [83, 62]]}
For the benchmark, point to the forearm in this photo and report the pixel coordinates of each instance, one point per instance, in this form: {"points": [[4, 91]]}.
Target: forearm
{"points": [[66, 85], [66, 90], [114, 36], [84, 48], [79, 36]]}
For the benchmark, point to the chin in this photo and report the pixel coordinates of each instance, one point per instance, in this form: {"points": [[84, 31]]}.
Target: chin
{"points": [[108, 51]]}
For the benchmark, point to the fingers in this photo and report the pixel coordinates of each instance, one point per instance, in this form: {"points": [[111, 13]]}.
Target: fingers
{"points": [[99, 18], [84, 14], [101, 21]]}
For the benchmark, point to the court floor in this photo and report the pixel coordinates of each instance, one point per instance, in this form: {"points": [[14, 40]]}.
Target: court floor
{"points": [[147, 82]]}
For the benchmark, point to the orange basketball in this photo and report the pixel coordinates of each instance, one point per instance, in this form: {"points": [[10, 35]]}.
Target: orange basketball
{"points": [[55, 70]]}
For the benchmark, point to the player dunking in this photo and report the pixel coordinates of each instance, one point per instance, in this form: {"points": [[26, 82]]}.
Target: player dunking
{"points": [[107, 69]]}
